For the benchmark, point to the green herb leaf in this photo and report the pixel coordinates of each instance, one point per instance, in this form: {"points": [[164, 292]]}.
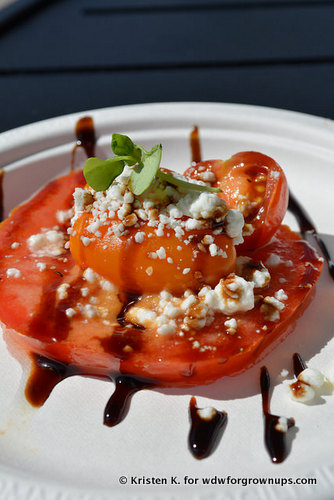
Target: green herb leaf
{"points": [[122, 145], [144, 173], [99, 174], [185, 184]]}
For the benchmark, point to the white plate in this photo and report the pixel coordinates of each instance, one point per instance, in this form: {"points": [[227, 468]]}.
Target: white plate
{"points": [[62, 450]]}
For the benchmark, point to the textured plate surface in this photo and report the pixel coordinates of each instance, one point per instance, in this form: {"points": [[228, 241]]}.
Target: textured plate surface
{"points": [[62, 451]]}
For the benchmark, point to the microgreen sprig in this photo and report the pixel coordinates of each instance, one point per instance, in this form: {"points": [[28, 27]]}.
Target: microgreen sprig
{"points": [[100, 174]]}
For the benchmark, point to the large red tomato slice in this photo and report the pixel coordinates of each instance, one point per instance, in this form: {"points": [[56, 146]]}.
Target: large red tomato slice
{"points": [[254, 184], [33, 318]]}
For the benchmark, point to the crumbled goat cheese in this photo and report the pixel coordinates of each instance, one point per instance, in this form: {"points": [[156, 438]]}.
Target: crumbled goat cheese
{"points": [[161, 253], [85, 240], [12, 272], [49, 243], [64, 215], [234, 224], [90, 275], [89, 311], [207, 176], [231, 325], [41, 266], [253, 271], [232, 294], [15, 245], [139, 237], [312, 377], [62, 291], [281, 295], [70, 312], [207, 413], [304, 394], [273, 260], [141, 316], [149, 270], [282, 424]]}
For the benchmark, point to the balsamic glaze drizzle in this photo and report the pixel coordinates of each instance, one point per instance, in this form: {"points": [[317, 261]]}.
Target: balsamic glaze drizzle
{"points": [[195, 145], [45, 375], [129, 301], [205, 434], [275, 440], [85, 135], [299, 364], [118, 405], [307, 227]]}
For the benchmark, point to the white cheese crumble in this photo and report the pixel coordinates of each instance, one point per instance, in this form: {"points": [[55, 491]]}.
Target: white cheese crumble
{"points": [[231, 295], [312, 377], [207, 413], [303, 395], [70, 312], [85, 240], [273, 260], [282, 424], [12, 272], [15, 245], [141, 316], [176, 209], [62, 291], [49, 243], [41, 266], [64, 215], [139, 237], [234, 225], [231, 325]]}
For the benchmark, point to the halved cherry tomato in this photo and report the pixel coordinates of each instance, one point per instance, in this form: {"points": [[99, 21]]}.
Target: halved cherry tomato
{"points": [[254, 184], [98, 346]]}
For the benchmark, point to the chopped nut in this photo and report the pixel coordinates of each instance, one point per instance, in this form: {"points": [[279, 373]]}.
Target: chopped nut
{"points": [[153, 214], [201, 247], [130, 220], [207, 240]]}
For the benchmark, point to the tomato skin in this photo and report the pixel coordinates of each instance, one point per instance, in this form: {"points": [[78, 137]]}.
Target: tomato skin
{"points": [[239, 176], [168, 360]]}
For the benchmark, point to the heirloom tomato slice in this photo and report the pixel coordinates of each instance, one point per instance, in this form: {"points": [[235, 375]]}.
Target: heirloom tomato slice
{"points": [[34, 319]]}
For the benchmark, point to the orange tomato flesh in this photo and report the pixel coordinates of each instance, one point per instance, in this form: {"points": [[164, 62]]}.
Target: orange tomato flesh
{"points": [[136, 268]]}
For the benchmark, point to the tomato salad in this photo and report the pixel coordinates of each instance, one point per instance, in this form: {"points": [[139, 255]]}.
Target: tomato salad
{"points": [[137, 270]]}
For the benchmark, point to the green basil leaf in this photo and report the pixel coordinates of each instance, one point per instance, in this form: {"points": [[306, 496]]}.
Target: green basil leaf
{"points": [[122, 145], [185, 184], [144, 173], [99, 174]]}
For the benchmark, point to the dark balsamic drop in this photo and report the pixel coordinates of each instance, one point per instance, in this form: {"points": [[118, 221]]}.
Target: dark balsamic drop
{"points": [[275, 439], [129, 301], [85, 135], [45, 375], [307, 227], [119, 403], [299, 364], [205, 433], [195, 145]]}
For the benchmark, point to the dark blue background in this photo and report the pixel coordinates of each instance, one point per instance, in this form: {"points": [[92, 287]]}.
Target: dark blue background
{"points": [[63, 56]]}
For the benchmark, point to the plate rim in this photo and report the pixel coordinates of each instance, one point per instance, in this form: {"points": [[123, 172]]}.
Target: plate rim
{"points": [[64, 131], [55, 131]]}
